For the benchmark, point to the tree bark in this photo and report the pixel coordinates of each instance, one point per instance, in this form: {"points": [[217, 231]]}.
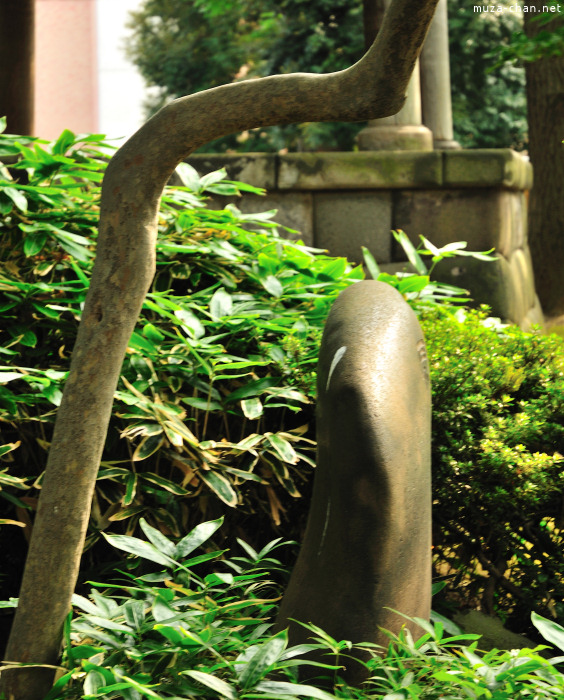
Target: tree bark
{"points": [[545, 105], [123, 271], [17, 25]]}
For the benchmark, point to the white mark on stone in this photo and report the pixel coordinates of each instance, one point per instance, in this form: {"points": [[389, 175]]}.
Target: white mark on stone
{"points": [[327, 513], [336, 359]]}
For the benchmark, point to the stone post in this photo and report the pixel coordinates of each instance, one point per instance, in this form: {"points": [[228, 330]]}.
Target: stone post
{"points": [[435, 81], [367, 546]]}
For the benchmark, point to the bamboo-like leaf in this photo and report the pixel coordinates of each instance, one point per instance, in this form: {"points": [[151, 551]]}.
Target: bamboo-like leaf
{"points": [[163, 483], [283, 449], [256, 661], [252, 408], [221, 304], [140, 548], [94, 682], [550, 630], [220, 485], [282, 688], [216, 684], [148, 446], [130, 489], [409, 249], [196, 537], [161, 542], [370, 262]]}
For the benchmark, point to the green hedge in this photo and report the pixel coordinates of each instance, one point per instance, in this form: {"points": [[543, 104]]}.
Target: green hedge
{"points": [[498, 441]]}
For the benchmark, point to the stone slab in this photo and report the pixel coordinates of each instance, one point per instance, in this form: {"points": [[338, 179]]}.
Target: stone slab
{"points": [[360, 171], [344, 223], [443, 216], [257, 169], [487, 167], [490, 283], [294, 210]]}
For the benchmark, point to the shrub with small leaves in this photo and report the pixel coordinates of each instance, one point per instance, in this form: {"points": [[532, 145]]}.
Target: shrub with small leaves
{"points": [[498, 445]]}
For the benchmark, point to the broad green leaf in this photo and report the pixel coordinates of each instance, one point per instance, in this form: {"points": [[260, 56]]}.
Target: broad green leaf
{"points": [[34, 243], [272, 285], [130, 489], [152, 333], [83, 603], [9, 447], [216, 684], [220, 485], [412, 255], [65, 140], [256, 661], [108, 624], [158, 539], [282, 688], [6, 377], [94, 682], [17, 197], [252, 408], [202, 404], [134, 613], [221, 304], [212, 178], [53, 394], [148, 446], [196, 537], [190, 323], [28, 338], [412, 284], [253, 388], [550, 630], [283, 449], [140, 548], [370, 262], [189, 176], [163, 483]]}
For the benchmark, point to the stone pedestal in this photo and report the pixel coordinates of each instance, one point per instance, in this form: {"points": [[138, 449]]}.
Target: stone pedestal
{"points": [[402, 131]]}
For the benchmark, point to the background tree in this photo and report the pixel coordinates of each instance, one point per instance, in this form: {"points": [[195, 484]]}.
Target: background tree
{"points": [[488, 98], [540, 47], [124, 269], [545, 100], [175, 55], [17, 24], [183, 47]]}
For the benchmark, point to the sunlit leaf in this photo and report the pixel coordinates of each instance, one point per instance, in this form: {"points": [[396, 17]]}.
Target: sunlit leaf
{"points": [[216, 684], [140, 548], [196, 537]]}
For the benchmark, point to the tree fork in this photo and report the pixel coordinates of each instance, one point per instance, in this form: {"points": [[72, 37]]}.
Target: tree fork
{"points": [[123, 271]]}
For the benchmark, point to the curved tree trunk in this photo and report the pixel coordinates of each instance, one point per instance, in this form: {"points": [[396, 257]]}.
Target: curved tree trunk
{"points": [[123, 271], [545, 106]]}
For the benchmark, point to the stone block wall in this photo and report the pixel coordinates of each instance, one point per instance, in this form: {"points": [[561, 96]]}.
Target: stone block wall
{"points": [[342, 201]]}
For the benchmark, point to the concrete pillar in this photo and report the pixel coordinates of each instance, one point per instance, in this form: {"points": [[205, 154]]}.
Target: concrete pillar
{"points": [[435, 81]]}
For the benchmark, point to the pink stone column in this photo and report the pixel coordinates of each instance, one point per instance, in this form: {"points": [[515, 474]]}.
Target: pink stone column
{"points": [[66, 83]]}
